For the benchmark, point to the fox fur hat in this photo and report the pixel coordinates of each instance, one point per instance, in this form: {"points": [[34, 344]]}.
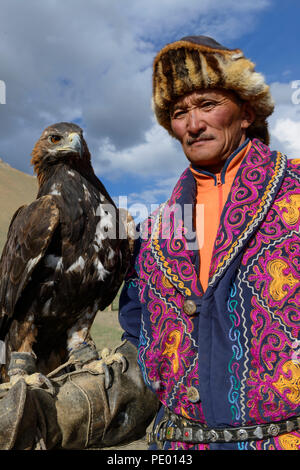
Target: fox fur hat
{"points": [[199, 62]]}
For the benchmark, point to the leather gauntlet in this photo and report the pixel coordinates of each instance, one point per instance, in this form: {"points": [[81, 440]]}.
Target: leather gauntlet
{"points": [[82, 410]]}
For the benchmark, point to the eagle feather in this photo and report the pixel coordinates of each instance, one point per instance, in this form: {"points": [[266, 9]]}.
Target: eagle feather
{"points": [[64, 258]]}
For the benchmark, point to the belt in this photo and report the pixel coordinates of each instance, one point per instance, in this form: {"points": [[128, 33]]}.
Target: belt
{"points": [[178, 429]]}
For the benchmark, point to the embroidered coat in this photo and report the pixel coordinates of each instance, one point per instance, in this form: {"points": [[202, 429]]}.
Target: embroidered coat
{"points": [[236, 360]]}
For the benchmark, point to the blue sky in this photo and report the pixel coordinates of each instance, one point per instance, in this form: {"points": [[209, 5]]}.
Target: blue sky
{"points": [[274, 41], [90, 62]]}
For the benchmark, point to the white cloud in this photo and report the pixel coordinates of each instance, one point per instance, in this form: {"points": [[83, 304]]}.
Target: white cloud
{"points": [[285, 122], [282, 93], [157, 155], [158, 20], [91, 61], [287, 133]]}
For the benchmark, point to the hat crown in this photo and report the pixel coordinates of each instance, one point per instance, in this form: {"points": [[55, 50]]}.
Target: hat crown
{"points": [[204, 41]]}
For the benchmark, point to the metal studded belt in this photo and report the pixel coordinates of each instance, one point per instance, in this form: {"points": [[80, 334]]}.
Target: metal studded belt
{"points": [[174, 428]]}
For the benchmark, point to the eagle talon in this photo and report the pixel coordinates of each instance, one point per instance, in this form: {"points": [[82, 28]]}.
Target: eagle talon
{"points": [[100, 367], [109, 358], [124, 364], [107, 377]]}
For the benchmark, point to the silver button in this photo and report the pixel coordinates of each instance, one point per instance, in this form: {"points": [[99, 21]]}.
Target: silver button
{"points": [[242, 434], [200, 435], [258, 432], [273, 429], [189, 307], [290, 426], [192, 394], [227, 436], [213, 435]]}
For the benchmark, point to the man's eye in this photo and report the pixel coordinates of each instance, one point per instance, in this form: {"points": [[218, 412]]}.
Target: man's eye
{"points": [[54, 138], [207, 104], [178, 114]]}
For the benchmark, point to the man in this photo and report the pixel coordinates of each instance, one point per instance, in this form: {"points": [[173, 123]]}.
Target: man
{"points": [[211, 300]]}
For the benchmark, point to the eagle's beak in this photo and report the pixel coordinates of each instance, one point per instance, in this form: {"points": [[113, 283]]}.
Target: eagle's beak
{"points": [[74, 143]]}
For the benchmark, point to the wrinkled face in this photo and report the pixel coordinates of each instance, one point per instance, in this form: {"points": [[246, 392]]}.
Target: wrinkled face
{"points": [[210, 124]]}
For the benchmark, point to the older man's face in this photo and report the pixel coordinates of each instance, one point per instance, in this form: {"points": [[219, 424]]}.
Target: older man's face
{"points": [[210, 125]]}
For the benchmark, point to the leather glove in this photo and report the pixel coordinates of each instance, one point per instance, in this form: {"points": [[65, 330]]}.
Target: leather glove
{"points": [[82, 409]]}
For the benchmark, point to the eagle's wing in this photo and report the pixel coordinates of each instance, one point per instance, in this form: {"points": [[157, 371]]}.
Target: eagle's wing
{"points": [[29, 235]]}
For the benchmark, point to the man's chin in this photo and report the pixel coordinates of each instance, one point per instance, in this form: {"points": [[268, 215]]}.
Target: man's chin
{"points": [[204, 160], [203, 152]]}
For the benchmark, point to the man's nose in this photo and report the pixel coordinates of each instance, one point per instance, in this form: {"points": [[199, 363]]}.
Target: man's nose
{"points": [[195, 122]]}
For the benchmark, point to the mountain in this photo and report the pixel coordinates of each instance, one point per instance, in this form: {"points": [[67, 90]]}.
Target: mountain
{"points": [[16, 189]]}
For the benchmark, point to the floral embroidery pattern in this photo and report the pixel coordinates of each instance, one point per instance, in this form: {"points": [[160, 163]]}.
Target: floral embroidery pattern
{"points": [[257, 318]]}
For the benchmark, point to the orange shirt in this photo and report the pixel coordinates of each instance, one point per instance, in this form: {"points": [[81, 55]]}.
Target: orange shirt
{"points": [[212, 193]]}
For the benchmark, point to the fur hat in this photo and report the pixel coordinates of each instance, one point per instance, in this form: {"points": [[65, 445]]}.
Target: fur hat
{"points": [[199, 62]]}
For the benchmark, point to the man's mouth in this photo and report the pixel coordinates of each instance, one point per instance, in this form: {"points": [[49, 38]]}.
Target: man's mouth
{"points": [[199, 140]]}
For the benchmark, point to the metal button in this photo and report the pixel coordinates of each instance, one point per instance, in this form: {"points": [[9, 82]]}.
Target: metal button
{"points": [[200, 435], [213, 435], [189, 307], [242, 434], [192, 394], [187, 434], [290, 426], [227, 436], [258, 432], [273, 429]]}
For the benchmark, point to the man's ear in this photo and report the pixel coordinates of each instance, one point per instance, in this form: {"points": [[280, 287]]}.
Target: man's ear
{"points": [[248, 115]]}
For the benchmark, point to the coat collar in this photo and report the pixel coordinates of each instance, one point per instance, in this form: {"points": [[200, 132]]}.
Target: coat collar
{"points": [[252, 194], [174, 242]]}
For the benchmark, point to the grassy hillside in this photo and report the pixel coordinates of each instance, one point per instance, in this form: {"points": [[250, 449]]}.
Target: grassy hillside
{"points": [[106, 330], [16, 188]]}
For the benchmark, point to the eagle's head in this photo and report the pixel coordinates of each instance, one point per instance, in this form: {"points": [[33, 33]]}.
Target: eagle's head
{"points": [[60, 143]]}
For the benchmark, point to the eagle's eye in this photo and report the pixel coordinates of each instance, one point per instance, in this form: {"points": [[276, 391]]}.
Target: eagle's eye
{"points": [[54, 138]]}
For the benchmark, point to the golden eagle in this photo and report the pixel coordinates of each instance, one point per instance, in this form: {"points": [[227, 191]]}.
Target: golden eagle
{"points": [[65, 256]]}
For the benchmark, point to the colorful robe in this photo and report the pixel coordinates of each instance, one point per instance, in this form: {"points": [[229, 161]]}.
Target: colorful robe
{"points": [[240, 350]]}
